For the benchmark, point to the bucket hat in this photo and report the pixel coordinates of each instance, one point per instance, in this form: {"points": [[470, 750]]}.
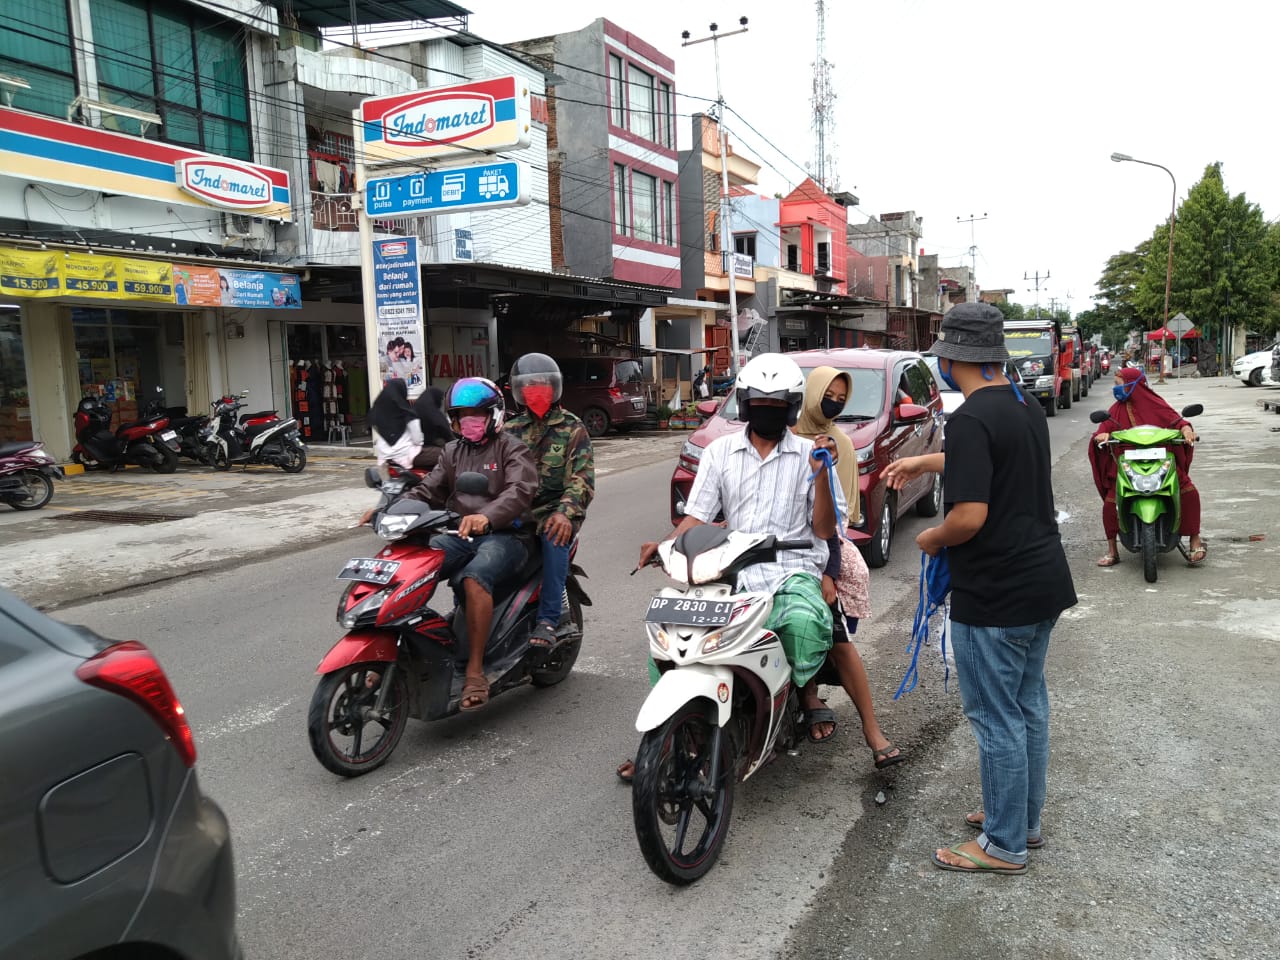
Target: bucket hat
{"points": [[972, 333]]}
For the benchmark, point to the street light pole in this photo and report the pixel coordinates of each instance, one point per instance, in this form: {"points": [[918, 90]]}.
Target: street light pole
{"points": [[1173, 212], [726, 228]]}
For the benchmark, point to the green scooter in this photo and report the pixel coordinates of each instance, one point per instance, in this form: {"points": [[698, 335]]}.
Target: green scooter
{"points": [[1148, 497]]}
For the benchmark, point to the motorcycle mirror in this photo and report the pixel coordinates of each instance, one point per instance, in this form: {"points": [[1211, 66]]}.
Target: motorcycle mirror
{"points": [[472, 483], [1099, 416], [1193, 410], [244, 393]]}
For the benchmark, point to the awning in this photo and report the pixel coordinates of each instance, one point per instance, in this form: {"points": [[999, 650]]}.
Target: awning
{"points": [[337, 13], [1164, 333]]}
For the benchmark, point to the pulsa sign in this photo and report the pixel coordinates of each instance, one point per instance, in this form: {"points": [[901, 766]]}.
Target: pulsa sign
{"points": [[488, 114], [224, 184]]}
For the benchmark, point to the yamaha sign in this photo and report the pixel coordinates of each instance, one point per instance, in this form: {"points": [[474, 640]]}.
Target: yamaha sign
{"points": [[486, 115], [223, 183]]}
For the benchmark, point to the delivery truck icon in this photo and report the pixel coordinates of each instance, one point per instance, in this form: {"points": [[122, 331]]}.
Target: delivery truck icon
{"points": [[494, 184]]}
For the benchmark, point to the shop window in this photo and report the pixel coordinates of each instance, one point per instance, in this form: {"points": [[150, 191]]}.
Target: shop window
{"points": [[35, 46], [617, 102], [124, 355], [745, 244], [620, 199], [188, 69], [640, 102], [15, 407], [645, 206]]}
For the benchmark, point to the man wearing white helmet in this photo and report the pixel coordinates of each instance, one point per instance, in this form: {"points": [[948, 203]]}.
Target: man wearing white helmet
{"points": [[760, 480]]}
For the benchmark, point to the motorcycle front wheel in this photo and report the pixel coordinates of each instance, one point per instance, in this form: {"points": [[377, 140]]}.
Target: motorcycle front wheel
{"points": [[345, 736], [682, 819], [295, 459], [1147, 541], [39, 491]]}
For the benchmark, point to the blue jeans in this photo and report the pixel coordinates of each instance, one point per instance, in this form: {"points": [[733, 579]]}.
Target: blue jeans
{"points": [[1001, 672], [491, 560], [555, 571]]}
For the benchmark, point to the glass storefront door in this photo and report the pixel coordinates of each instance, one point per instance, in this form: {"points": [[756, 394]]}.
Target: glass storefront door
{"points": [[125, 355], [15, 407], [328, 386]]}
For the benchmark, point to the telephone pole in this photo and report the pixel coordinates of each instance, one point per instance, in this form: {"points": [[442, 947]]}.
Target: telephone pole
{"points": [[824, 99], [1037, 278], [726, 228], [973, 246]]}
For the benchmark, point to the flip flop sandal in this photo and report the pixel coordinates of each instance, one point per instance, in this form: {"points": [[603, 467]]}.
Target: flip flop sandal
{"points": [[979, 866], [1033, 843], [1108, 561], [1193, 560], [474, 688], [626, 771], [882, 759], [820, 715]]}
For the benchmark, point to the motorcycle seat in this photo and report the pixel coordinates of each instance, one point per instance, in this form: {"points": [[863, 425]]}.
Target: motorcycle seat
{"points": [[244, 417], [9, 447]]}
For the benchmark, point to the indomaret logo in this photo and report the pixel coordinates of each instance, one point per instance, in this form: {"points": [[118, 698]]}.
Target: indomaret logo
{"points": [[439, 118], [224, 184]]}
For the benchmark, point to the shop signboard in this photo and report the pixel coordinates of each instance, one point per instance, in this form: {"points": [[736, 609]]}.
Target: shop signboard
{"points": [[397, 286], [451, 190], [88, 275], [197, 286], [260, 291], [47, 150], [30, 273], [491, 114], [146, 280]]}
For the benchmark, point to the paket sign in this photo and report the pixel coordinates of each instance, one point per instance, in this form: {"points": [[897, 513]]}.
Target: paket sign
{"points": [[488, 114]]}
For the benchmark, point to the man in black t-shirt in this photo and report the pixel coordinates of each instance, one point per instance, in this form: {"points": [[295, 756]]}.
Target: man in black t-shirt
{"points": [[1009, 582]]}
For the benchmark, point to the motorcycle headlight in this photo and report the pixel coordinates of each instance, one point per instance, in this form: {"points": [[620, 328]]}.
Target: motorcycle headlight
{"points": [[658, 636], [714, 641], [349, 618], [392, 526]]}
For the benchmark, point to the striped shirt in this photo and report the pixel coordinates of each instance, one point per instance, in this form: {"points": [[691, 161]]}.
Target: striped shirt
{"points": [[772, 495]]}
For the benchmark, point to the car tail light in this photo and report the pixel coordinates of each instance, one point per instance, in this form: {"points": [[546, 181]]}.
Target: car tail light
{"points": [[615, 393], [132, 671]]}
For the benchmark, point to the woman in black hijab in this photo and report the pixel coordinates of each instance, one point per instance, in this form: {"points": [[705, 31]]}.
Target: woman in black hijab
{"points": [[436, 431], [397, 433]]}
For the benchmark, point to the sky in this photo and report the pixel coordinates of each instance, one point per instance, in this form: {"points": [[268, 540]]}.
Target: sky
{"points": [[1006, 109]]}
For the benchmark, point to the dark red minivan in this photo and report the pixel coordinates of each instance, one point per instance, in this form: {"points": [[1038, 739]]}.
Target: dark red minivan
{"points": [[604, 391], [894, 411]]}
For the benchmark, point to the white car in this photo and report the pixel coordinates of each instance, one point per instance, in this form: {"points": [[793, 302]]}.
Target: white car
{"points": [[953, 398], [1252, 368]]}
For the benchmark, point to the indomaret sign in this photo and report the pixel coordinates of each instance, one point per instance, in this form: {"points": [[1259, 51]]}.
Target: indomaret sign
{"points": [[482, 115]]}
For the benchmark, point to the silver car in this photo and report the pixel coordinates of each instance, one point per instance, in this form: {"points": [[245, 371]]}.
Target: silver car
{"points": [[953, 398], [105, 838]]}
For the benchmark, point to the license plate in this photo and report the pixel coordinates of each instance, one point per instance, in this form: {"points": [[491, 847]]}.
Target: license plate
{"points": [[169, 435], [369, 570], [694, 613], [1148, 453], [637, 404]]}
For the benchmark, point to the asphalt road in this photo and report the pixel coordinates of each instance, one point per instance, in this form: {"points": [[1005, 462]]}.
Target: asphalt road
{"points": [[504, 834]]}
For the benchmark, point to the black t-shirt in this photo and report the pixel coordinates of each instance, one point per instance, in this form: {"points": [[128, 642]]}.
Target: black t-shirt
{"points": [[1013, 571]]}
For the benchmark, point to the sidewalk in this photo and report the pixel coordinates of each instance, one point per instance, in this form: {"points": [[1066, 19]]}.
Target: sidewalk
{"points": [[105, 532]]}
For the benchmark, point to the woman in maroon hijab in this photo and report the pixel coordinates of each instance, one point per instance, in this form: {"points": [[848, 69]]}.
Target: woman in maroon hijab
{"points": [[1138, 405]]}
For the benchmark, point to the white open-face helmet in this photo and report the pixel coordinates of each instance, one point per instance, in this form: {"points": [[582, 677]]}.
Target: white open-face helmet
{"points": [[771, 376]]}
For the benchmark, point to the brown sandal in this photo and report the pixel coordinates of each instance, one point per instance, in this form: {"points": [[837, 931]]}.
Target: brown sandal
{"points": [[1110, 560], [475, 694]]}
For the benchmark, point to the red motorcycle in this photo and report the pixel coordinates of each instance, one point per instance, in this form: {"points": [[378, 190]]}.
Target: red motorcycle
{"points": [[26, 474], [400, 658], [148, 442]]}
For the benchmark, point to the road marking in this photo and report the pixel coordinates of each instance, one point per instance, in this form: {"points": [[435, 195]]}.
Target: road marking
{"points": [[243, 720]]}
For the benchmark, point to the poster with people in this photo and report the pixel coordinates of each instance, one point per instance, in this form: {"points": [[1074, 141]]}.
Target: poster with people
{"points": [[398, 309]]}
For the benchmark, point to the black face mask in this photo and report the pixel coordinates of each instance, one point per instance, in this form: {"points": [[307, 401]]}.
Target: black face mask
{"points": [[831, 408], [768, 423]]}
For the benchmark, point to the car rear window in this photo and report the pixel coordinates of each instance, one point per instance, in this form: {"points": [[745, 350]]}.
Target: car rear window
{"points": [[628, 371], [865, 401]]}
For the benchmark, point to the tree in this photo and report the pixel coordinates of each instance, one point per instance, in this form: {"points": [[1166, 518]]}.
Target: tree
{"points": [[1223, 260], [1011, 311]]}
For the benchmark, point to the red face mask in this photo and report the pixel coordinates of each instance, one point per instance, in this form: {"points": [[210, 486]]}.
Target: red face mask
{"points": [[538, 398]]}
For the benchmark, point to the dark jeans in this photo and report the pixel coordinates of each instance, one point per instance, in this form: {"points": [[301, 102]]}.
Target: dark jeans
{"points": [[491, 560], [555, 571]]}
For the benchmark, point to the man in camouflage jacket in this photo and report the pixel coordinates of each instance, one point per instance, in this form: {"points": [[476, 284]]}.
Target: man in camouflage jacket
{"points": [[561, 449]]}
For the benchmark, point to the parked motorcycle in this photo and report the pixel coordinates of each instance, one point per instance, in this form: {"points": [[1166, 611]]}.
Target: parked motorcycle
{"points": [[148, 442], [723, 705], [400, 658], [1148, 495], [27, 473], [190, 430], [261, 437]]}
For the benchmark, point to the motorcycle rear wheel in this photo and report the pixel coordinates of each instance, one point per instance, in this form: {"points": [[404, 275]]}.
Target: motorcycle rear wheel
{"points": [[338, 709], [295, 460], [562, 659], [168, 460], [672, 759], [39, 491], [1147, 541]]}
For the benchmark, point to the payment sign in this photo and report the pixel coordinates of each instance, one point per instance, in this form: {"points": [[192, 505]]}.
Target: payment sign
{"points": [[456, 190]]}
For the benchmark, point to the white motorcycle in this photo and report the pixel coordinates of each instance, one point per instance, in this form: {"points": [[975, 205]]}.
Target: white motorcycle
{"points": [[724, 702]]}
